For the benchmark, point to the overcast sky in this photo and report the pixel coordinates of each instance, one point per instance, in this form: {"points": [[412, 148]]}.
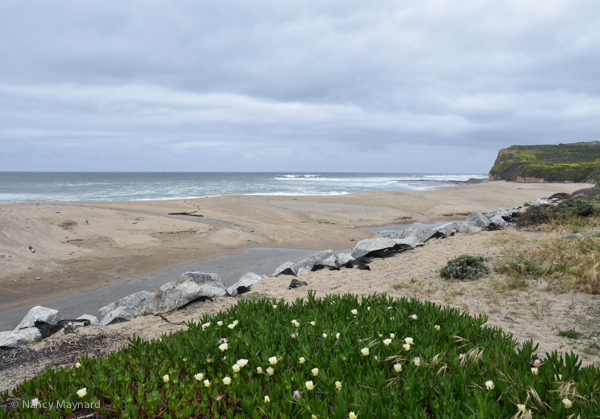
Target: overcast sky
{"points": [[377, 86]]}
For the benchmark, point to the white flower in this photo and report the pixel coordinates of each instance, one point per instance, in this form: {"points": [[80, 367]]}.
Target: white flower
{"points": [[414, 317], [166, 378], [231, 326], [82, 392], [489, 385], [242, 362], [223, 347], [365, 351], [267, 400], [354, 311], [273, 360], [235, 368], [537, 363], [324, 335], [302, 360], [389, 308], [206, 383], [294, 321], [558, 377], [337, 336], [398, 367], [522, 408], [235, 322], [270, 371], [392, 335], [219, 323], [369, 308], [315, 371], [534, 371], [408, 341], [351, 415], [199, 376], [259, 370], [226, 381], [387, 342], [568, 403], [313, 323], [309, 385], [437, 327], [78, 365], [206, 325], [274, 306], [338, 385], [35, 402], [417, 361], [406, 347]]}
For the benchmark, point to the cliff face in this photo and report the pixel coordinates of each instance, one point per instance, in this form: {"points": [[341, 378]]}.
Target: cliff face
{"points": [[576, 162]]}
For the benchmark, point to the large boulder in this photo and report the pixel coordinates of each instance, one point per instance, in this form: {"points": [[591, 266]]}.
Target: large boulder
{"points": [[497, 222], [177, 294], [387, 234], [316, 259], [287, 268], [344, 258], [478, 220], [120, 314], [15, 338], [92, 319], [137, 301], [244, 284], [381, 247], [203, 278], [41, 315], [418, 232]]}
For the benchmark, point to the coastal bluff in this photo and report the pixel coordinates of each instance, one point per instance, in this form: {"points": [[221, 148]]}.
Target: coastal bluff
{"points": [[575, 162]]}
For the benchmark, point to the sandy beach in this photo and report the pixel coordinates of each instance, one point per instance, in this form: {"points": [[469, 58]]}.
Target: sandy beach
{"points": [[76, 247]]}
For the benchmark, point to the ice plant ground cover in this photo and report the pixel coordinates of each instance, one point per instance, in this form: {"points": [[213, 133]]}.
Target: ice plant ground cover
{"points": [[454, 367]]}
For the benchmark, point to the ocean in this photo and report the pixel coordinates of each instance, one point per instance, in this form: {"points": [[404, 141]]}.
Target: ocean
{"points": [[139, 186]]}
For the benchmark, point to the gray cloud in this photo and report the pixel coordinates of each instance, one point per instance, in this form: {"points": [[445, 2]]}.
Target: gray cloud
{"points": [[425, 85]]}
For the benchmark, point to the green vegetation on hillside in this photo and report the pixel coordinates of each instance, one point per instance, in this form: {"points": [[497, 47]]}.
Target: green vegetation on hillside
{"points": [[337, 357], [576, 162]]}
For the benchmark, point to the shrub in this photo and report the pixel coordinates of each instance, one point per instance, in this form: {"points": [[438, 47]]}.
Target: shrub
{"points": [[535, 215], [453, 368], [518, 268], [576, 207], [560, 195], [464, 267], [570, 333]]}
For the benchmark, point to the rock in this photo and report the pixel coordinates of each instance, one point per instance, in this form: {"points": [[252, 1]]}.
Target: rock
{"points": [[387, 234], [92, 319], [364, 267], [344, 258], [332, 262], [316, 259], [491, 214], [39, 314], [177, 294], [288, 268], [37, 278], [381, 247], [47, 329], [497, 223], [202, 278], [418, 232], [297, 284], [244, 283], [478, 220], [120, 314], [137, 301], [540, 201], [448, 229], [304, 270], [15, 338]]}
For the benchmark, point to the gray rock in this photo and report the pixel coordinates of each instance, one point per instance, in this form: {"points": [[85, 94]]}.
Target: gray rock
{"points": [[366, 246], [119, 314], [138, 301], [297, 284], [498, 221], [500, 211], [304, 270], [39, 314], [418, 232], [16, 338], [244, 284], [92, 319], [412, 241], [345, 258], [203, 278], [332, 261], [447, 229], [478, 220], [288, 268], [387, 234], [316, 259], [177, 294], [540, 201]]}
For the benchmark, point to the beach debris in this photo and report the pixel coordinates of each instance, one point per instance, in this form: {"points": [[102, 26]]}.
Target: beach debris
{"points": [[244, 283], [136, 301], [203, 278], [39, 314], [119, 315], [190, 214], [297, 284], [478, 220], [15, 338], [287, 268], [31, 249]]}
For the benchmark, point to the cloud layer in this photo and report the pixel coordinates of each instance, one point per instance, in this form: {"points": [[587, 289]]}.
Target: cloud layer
{"points": [[429, 85]]}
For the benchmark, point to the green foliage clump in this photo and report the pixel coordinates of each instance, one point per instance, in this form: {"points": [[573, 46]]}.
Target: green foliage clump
{"points": [[465, 267], [391, 359], [576, 207], [519, 268], [535, 215], [560, 195], [570, 333]]}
